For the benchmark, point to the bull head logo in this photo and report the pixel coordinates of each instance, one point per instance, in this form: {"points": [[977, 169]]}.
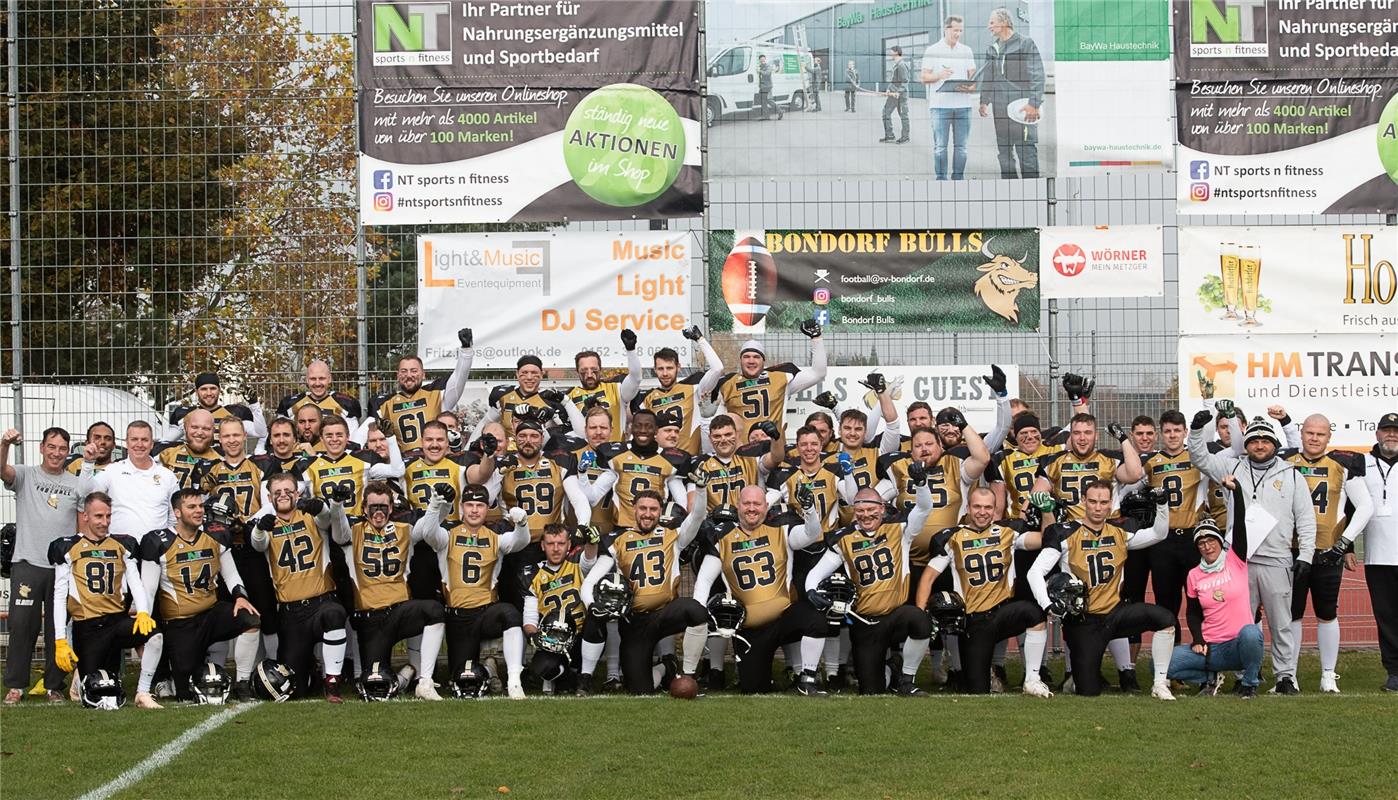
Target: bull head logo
{"points": [[1002, 282]]}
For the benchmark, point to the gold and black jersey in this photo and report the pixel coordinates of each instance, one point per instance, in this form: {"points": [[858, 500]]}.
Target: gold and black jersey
{"points": [[299, 558], [378, 561], [1017, 470], [187, 465], [403, 415], [349, 471], [1183, 483], [1067, 474], [637, 473], [823, 483], [537, 488], [219, 413], [875, 563], [1325, 479], [757, 569], [864, 467], [726, 479], [948, 496], [97, 586], [983, 562], [604, 512], [1098, 559], [337, 403], [470, 565], [681, 398], [421, 478], [271, 463], [608, 396], [506, 398], [559, 588], [74, 465], [189, 571], [650, 563], [240, 483], [758, 399]]}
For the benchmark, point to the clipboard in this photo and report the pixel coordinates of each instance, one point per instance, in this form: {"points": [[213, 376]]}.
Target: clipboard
{"points": [[955, 84]]}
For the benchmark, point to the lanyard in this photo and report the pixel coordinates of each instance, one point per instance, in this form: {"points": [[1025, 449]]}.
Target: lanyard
{"points": [[1257, 483], [1383, 475]]}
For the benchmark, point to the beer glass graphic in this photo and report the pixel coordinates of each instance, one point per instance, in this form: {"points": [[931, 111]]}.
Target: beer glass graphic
{"points": [[1250, 266], [1232, 278]]}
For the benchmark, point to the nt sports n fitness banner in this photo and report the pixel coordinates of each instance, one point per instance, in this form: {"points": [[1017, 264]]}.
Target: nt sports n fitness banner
{"points": [[913, 280], [552, 295], [482, 111], [1287, 106]]}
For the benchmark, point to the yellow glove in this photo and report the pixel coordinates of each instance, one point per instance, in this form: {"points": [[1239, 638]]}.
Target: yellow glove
{"points": [[144, 624], [64, 656]]}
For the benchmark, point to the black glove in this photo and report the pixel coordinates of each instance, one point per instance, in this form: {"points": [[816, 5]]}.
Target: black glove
{"points": [[1057, 608], [819, 600], [875, 383], [587, 534], [250, 396], [954, 416], [1333, 557], [1158, 496], [692, 333], [340, 494], [996, 381], [628, 339], [1226, 408], [917, 473], [466, 337], [268, 523], [810, 328], [805, 498], [826, 400], [551, 395], [489, 444], [453, 439], [1115, 430], [1078, 388], [699, 477], [313, 506], [1201, 419], [7, 548], [1302, 570], [445, 491], [769, 428]]}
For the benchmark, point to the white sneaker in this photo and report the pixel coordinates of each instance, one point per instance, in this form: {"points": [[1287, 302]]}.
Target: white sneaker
{"points": [[144, 700], [516, 689], [1329, 682], [1036, 688], [426, 691], [1161, 691]]}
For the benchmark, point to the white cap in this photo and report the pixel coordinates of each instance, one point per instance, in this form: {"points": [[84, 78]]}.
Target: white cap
{"points": [[753, 345]]}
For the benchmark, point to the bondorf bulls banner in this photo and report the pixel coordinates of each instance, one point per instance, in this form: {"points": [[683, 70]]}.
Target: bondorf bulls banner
{"points": [[483, 111], [551, 295]]}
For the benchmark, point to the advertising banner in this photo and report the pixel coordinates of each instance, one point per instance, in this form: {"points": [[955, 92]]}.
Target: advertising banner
{"points": [[552, 295], [914, 280], [1286, 107], [1350, 378], [1334, 279], [483, 111], [1123, 261], [960, 385]]}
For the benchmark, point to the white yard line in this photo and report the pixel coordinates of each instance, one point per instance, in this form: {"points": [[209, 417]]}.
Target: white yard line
{"points": [[165, 754]]}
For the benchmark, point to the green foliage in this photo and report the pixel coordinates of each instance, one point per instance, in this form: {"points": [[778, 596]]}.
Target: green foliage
{"points": [[1211, 296]]}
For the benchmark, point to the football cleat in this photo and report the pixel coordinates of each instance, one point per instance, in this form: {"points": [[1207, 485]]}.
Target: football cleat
{"points": [[515, 689], [1036, 688], [999, 680], [1286, 686], [807, 686], [1160, 690], [1126, 679], [332, 689], [1069, 685], [1329, 682], [1248, 693], [907, 687]]}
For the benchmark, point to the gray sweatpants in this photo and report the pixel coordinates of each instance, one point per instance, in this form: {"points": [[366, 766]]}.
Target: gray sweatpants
{"points": [[31, 593], [1270, 587]]}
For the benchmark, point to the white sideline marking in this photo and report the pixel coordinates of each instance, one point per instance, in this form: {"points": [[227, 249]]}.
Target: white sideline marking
{"points": [[165, 754]]}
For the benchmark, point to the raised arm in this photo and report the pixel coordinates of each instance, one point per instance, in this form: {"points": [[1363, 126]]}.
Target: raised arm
{"points": [[973, 466], [713, 373], [456, 384], [394, 467], [691, 524], [704, 581], [815, 373], [632, 382], [799, 537], [582, 506], [1215, 466], [917, 518]]}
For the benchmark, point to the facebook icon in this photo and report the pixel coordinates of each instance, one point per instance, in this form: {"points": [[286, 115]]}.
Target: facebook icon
{"points": [[1199, 170], [822, 316], [383, 179]]}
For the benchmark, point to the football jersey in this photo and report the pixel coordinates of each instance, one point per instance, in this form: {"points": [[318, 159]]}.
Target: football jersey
{"points": [[875, 563], [187, 465], [470, 565], [337, 403], [757, 569], [299, 559], [604, 512], [1067, 474], [559, 588], [421, 478], [824, 485], [74, 465], [189, 571], [349, 471], [864, 468], [650, 563], [1096, 559], [983, 562], [506, 398], [726, 480], [759, 399], [948, 496], [1017, 470], [636, 473], [1325, 478], [97, 586], [219, 413], [403, 415], [537, 488], [379, 561], [240, 484], [271, 463], [680, 396], [1183, 483], [608, 396]]}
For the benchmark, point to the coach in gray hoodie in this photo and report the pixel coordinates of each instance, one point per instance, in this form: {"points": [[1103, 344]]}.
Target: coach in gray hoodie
{"points": [[1276, 505]]}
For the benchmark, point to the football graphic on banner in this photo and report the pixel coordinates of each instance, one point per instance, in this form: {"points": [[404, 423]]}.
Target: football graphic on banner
{"points": [[749, 282]]}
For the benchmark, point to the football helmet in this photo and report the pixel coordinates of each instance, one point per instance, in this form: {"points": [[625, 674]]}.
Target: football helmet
{"points": [[839, 592], [726, 615], [1067, 595], [611, 597], [948, 612], [473, 682], [102, 690], [273, 681], [555, 634], [379, 683], [212, 685], [1141, 506]]}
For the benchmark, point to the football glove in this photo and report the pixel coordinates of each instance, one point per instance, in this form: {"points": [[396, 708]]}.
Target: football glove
{"points": [[551, 396], [844, 464], [466, 337], [341, 494], [810, 328], [1116, 430], [313, 506], [1225, 408], [819, 599], [1043, 502], [517, 516], [805, 498], [445, 491], [143, 624], [1335, 555], [953, 416], [875, 383], [1079, 389], [1201, 418], [587, 461], [917, 473], [997, 381], [628, 339], [826, 400], [699, 477], [267, 523], [769, 428], [692, 333], [1301, 571], [489, 444], [587, 534], [250, 396], [64, 656]]}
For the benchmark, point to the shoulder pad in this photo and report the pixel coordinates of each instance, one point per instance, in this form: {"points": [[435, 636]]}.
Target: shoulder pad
{"points": [[678, 459], [179, 414], [693, 378], [833, 538], [1352, 462], [1049, 458], [941, 537], [369, 456], [240, 411], [714, 394], [960, 451], [284, 407], [887, 460], [497, 392], [154, 543], [1056, 533], [785, 519], [349, 404], [59, 548], [755, 449], [608, 451], [129, 542], [605, 544], [221, 535], [378, 403], [1112, 454], [780, 475], [786, 366]]}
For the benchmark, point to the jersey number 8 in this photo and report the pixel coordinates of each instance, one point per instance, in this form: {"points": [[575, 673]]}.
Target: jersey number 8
{"points": [[870, 568]]}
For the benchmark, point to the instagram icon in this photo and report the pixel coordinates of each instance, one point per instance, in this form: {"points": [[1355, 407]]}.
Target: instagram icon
{"points": [[383, 201], [821, 297], [1198, 192]]}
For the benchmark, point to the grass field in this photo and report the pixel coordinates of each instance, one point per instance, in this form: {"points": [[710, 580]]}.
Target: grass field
{"points": [[729, 746]]}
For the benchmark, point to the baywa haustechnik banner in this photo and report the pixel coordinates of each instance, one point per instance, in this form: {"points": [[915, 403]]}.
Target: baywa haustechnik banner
{"points": [[912, 280], [1287, 106], [483, 111]]}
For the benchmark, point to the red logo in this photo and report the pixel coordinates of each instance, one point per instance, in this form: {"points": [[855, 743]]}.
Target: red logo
{"points": [[1069, 260]]}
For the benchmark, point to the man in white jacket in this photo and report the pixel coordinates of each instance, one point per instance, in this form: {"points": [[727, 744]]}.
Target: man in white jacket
{"points": [[1381, 542]]}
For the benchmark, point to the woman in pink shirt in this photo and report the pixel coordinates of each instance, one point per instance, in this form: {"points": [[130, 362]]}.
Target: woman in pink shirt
{"points": [[1220, 610]]}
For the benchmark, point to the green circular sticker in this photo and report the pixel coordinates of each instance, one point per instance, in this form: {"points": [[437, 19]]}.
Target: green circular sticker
{"points": [[624, 145], [1388, 138]]}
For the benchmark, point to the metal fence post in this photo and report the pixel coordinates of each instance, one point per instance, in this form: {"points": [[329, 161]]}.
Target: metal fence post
{"points": [[16, 307], [1052, 332]]}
